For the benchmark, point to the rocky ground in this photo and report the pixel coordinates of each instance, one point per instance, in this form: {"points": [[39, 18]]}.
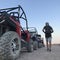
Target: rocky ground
{"points": [[42, 54]]}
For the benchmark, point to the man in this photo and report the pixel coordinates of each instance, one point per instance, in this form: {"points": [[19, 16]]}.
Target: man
{"points": [[48, 30]]}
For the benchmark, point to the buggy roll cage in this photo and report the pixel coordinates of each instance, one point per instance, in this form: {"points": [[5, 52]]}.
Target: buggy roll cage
{"points": [[20, 15]]}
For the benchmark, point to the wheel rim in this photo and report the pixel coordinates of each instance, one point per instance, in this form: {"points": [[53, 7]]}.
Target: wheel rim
{"points": [[15, 46]]}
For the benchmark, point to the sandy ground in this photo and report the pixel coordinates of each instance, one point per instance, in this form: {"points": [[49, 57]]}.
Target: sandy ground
{"points": [[42, 54]]}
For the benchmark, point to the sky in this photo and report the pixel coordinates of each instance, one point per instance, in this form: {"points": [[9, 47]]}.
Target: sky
{"points": [[38, 12]]}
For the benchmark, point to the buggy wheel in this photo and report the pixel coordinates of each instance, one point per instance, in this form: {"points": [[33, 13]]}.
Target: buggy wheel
{"points": [[39, 45], [10, 46], [30, 46], [35, 44]]}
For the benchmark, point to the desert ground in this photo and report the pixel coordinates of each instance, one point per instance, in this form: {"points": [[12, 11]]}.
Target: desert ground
{"points": [[42, 54]]}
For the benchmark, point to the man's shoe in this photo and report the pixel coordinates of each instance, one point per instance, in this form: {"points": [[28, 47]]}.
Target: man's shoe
{"points": [[47, 49], [50, 50]]}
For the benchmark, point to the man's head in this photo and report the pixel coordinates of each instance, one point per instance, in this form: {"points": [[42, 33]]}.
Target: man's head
{"points": [[47, 24]]}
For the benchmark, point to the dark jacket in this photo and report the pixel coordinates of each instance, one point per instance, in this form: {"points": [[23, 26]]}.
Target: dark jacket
{"points": [[47, 30]]}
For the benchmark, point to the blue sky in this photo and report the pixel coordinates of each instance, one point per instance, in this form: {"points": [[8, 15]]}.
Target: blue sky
{"points": [[38, 12]]}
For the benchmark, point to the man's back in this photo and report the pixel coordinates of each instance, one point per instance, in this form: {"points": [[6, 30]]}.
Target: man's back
{"points": [[47, 30]]}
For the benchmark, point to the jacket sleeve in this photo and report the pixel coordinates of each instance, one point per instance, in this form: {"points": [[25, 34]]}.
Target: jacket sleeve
{"points": [[51, 30], [43, 29]]}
